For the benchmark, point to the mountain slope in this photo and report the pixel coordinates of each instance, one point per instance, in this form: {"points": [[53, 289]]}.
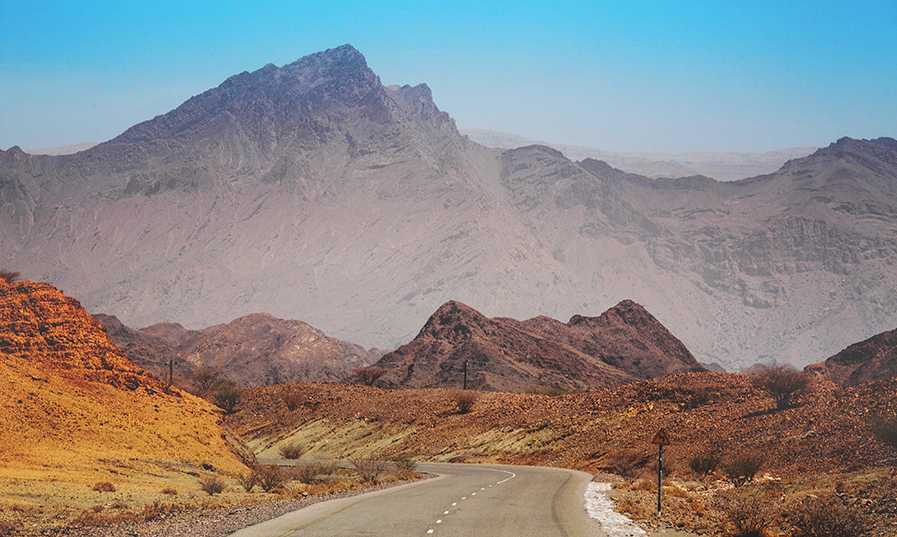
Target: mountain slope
{"points": [[622, 345], [866, 361], [311, 191], [73, 405]]}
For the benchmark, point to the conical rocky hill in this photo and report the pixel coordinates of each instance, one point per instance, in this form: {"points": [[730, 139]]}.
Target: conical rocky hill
{"points": [[75, 410], [312, 191], [624, 344], [866, 361]]}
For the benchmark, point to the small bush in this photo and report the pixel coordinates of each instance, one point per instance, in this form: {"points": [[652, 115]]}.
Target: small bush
{"points": [[248, 480], [212, 485], [271, 477], [784, 383], [291, 451], [825, 516], [104, 486], [742, 467], [293, 399], [748, 515], [170, 491], [464, 399], [9, 276], [226, 395], [308, 473], [405, 466], [625, 462], [885, 431], [369, 375], [369, 470], [705, 463]]}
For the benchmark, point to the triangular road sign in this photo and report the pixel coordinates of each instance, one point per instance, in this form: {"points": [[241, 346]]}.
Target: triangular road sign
{"points": [[661, 438]]}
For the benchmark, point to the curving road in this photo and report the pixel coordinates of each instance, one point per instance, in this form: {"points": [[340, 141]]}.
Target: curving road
{"points": [[475, 500]]}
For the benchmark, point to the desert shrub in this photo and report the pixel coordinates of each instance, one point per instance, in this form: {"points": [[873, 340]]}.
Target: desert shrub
{"points": [[742, 467], [784, 383], [307, 473], [9, 276], [748, 515], [464, 399], [248, 480], [369, 375], [212, 485], [885, 431], [405, 463], [625, 462], [204, 378], [825, 516], [270, 477], [158, 510], [104, 486], [226, 394], [368, 470], [170, 491], [705, 463], [293, 399], [291, 451]]}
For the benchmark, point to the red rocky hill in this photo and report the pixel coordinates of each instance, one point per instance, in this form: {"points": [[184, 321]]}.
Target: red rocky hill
{"points": [[869, 360], [624, 344]]}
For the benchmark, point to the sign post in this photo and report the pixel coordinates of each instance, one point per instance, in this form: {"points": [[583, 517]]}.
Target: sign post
{"points": [[661, 439]]}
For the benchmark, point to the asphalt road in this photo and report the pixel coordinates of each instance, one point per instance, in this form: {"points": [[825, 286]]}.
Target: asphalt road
{"points": [[465, 500]]}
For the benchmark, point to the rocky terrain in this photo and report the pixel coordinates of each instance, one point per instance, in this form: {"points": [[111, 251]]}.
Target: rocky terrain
{"points": [[74, 412], [311, 191], [866, 361], [719, 166], [252, 350], [624, 344]]}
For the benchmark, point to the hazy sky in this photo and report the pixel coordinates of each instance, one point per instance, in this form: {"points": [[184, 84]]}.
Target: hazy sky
{"points": [[623, 76]]}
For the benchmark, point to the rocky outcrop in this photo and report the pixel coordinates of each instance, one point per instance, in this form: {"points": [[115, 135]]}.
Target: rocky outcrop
{"points": [[73, 400], [866, 361], [624, 344]]}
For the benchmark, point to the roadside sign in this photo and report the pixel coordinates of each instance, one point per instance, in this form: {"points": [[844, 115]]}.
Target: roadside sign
{"points": [[661, 438]]}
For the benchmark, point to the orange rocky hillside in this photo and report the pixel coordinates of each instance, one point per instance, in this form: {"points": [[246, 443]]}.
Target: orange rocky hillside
{"points": [[75, 411]]}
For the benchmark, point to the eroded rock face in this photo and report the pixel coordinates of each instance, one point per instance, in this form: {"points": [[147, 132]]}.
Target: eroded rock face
{"points": [[623, 345], [71, 398], [866, 361]]}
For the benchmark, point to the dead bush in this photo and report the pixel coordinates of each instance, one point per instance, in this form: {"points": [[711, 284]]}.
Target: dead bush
{"points": [[741, 468], [464, 399], [369, 375], [625, 462], [170, 491], [705, 463], [369, 470], [248, 480], [784, 383], [826, 515], [212, 485], [293, 399], [291, 451], [104, 486], [270, 477], [310, 473], [885, 431], [9, 276], [748, 515]]}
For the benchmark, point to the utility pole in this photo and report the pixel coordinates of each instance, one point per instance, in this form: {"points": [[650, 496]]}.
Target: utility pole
{"points": [[465, 374]]}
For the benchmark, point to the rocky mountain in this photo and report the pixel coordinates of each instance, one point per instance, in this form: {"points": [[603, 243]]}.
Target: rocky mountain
{"points": [[866, 361], [624, 344], [73, 407], [719, 166], [252, 350], [312, 191]]}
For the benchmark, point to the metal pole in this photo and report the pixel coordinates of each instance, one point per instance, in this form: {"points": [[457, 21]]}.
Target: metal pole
{"points": [[659, 475]]}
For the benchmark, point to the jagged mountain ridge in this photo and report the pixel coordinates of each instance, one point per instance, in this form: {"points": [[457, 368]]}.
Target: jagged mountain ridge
{"points": [[624, 344], [252, 350], [360, 209]]}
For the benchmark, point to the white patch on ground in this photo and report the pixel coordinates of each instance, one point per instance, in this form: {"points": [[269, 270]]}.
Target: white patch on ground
{"points": [[601, 508]]}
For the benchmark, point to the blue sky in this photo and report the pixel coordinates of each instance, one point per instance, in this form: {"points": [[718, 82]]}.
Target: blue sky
{"points": [[621, 76]]}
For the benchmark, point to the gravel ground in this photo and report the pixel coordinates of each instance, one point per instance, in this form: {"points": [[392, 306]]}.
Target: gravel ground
{"points": [[217, 522]]}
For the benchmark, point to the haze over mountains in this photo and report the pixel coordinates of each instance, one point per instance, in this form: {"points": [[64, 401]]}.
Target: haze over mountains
{"points": [[311, 191]]}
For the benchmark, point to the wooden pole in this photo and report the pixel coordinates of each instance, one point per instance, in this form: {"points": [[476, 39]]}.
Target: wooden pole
{"points": [[465, 374]]}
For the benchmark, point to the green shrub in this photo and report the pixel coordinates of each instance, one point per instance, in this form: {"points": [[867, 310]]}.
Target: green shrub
{"points": [[784, 383]]}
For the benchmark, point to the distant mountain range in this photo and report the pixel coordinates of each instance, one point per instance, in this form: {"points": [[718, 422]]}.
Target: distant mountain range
{"points": [[311, 191], [720, 166]]}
